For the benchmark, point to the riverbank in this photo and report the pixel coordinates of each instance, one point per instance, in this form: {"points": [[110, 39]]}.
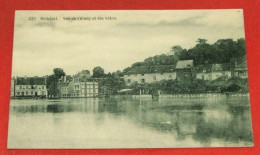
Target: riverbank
{"points": [[143, 96]]}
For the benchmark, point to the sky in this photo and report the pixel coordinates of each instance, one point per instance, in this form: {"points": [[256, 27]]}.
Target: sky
{"points": [[128, 37]]}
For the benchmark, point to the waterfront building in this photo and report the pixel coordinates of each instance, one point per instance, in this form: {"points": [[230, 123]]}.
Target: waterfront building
{"points": [[241, 69], [80, 85], [221, 70], [149, 74], [185, 70], [148, 77], [203, 72], [85, 89], [213, 71], [83, 85], [30, 87], [64, 86]]}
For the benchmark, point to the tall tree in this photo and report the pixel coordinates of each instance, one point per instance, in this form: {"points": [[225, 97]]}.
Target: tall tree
{"points": [[52, 81], [98, 72], [58, 72], [176, 50]]}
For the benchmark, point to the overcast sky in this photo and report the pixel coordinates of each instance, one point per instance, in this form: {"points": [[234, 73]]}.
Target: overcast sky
{"points": [[40, 45]]}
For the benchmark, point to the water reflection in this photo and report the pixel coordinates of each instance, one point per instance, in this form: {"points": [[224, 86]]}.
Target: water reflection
{"points": [[218, 121]]}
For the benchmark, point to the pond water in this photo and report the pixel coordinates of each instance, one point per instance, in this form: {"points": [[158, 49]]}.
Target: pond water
{"points": [[130, 123]]}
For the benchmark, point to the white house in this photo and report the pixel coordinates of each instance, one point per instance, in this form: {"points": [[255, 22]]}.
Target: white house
{"points": [[30, 86], [148, 77], [213, 71]]}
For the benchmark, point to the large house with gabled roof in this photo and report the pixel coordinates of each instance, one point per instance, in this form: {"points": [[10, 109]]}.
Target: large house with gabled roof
{"points": [[185, 70], [240, 69], [149, 74], [30, 87], [213, 71]]}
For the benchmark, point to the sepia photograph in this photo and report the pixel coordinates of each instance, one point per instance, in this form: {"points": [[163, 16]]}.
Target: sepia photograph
{"points": [[129, 79]]}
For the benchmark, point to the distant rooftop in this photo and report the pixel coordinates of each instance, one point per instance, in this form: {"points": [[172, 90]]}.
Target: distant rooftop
{"points": [[30, 81], [151, 69], [184, 64], [213, 68], [220, 67]]}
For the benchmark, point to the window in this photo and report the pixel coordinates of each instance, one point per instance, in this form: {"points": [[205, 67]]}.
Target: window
{"points": [[26, 87], [42, 87], [128, 80], [143, 80], [154, 78], [170, 76], [20, 88], [202, 77], [18, 93], [35, 87], [142, 74]]}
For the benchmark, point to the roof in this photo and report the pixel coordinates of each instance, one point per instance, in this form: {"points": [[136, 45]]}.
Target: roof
{"points": [[30, 81], [152, 69], [182, 64]]}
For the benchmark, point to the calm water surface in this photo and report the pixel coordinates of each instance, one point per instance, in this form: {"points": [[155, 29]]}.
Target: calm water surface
{"points": [[130, 123]]}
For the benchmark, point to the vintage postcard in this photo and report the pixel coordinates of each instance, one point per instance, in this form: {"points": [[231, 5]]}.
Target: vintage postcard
{"points": [[129, 79]]}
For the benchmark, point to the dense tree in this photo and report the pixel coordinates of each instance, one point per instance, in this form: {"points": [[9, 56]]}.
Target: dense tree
{"points": [[176, 50], [58, 72], [119, 73], [98, 72], [222, 51], [110, 83], [52, 81]]}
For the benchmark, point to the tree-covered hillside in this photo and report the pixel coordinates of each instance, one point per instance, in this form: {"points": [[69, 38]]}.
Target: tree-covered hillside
{"points": [[203, 53]]}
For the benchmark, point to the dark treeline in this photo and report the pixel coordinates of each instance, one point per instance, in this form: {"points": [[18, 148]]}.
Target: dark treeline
{"points": [[222, 51]]}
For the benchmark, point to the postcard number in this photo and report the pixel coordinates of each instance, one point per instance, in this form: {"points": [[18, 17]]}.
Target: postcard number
{"points": [[32, 18]]}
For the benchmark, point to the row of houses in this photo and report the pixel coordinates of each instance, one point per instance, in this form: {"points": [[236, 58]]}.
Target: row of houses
{"points": [[82, 85], [77, 86], [186, 71]]}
